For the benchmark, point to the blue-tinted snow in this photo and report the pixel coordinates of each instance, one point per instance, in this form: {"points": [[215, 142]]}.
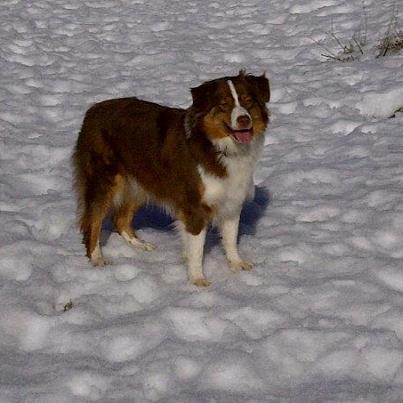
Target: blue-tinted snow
{"points": [[320, 318]]}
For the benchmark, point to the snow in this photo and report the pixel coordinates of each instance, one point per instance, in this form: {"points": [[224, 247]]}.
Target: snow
{"points": [[319, 318]]}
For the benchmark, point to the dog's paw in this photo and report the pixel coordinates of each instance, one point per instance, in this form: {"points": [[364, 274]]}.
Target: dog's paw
{"points": [[137, 242], [147, 246], [237, 266], [100, 262], [201, 282]]}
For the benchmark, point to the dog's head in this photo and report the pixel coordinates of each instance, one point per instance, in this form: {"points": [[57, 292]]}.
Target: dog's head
{"points": [[233, 109]]}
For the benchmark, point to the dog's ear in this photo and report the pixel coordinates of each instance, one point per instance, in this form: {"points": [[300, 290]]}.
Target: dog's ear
{"points": [[203, 94], [261, 85]]}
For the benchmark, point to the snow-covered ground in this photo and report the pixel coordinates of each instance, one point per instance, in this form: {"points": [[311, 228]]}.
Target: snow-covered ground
{"points": [[320, 318]]}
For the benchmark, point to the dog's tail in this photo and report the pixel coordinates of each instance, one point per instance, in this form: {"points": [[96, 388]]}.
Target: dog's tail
{"points": [[92, 166], [82, 173]]}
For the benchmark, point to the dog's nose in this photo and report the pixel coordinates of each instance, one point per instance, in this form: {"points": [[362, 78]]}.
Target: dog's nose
{"points": [[243, 121]]}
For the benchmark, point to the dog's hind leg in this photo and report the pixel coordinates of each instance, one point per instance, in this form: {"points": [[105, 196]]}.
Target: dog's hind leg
{"points": [[126, 209], [98, 202], [91, 224]]}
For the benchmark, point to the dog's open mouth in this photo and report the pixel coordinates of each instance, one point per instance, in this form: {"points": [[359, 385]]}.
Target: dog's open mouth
{"points": [[242, 136]]}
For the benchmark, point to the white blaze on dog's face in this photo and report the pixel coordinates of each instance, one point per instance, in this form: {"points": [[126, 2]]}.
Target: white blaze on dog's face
{"points": [[233, 109], [241, 121]]}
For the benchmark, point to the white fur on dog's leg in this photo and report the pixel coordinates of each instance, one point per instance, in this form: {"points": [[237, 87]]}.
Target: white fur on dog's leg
{"points": [[194, 246], [183, 234], [97, 259], [138, 243], [251, 191], [229, 232]]}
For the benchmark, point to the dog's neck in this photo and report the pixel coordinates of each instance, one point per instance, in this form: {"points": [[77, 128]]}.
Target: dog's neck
{"points": [[203, 150], [224, 147], [189, 122]]}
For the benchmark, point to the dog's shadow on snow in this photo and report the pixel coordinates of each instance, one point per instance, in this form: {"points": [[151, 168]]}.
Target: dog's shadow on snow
{"points": [[151, 216]]}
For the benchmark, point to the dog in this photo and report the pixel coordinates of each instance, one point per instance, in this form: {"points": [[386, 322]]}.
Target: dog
{"points": [[197, 163]]}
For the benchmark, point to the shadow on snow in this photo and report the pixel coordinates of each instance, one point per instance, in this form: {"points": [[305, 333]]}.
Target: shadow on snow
{"points": [[151, 216]]}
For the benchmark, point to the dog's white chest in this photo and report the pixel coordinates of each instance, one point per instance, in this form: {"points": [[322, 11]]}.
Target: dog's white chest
{"points": [[227, 194]]}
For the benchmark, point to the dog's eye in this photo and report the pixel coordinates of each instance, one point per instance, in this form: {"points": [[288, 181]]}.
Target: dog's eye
{"points": [[224, 106], [248, 102]]}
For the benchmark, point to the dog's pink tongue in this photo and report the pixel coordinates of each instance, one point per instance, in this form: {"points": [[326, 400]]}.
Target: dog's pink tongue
{"points": [[243, 137]]}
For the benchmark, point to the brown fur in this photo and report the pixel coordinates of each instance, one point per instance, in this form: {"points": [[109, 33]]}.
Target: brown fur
{"points": [[128, 139]]}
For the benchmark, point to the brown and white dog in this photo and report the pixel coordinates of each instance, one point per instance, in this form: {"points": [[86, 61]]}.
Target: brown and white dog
{"points": [[197, 163]]}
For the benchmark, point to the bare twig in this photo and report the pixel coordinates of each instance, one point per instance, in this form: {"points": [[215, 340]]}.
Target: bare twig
{"points": [[342, 47], [324, 48], [358, 45], [364, 21], [330, 57]]}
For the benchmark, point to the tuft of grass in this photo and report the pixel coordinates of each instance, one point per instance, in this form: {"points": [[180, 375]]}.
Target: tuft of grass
{"points": [[348, 52], [353, 49], [391, 43]]}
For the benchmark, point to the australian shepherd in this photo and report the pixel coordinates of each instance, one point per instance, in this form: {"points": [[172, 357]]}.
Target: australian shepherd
{"points": [[196, 163]]}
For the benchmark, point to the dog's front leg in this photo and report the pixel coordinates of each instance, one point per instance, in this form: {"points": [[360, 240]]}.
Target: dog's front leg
{"points": [[229, 232], [194, 246]]}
